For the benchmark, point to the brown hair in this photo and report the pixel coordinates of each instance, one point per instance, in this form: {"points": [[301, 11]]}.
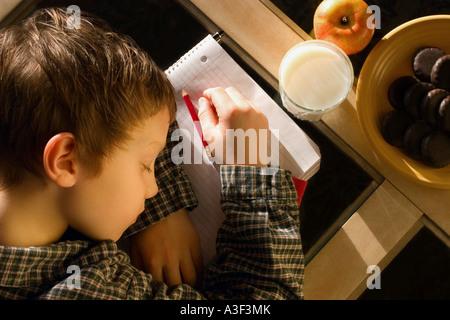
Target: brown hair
{"points": [[89, 81]]}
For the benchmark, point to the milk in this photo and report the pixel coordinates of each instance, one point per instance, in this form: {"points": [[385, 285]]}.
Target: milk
{"points": [[315, 77]]}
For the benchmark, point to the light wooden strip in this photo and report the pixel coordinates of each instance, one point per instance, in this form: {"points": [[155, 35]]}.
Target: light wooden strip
{"points": [[370, 237], [254, 27], [7, 6], [387, 259], [13, 11]]}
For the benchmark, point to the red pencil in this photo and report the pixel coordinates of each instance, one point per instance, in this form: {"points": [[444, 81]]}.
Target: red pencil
{"points": [[195, 118]]}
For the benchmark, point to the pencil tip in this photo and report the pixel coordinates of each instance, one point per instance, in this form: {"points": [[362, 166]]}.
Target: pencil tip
{"points": [[183, 92]]}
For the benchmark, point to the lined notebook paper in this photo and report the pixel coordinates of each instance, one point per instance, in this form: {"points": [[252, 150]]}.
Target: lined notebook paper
{"points": [[205, 66]]}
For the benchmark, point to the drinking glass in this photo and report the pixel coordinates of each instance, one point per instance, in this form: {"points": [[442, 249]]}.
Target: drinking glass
{"points": [[315, 76]]}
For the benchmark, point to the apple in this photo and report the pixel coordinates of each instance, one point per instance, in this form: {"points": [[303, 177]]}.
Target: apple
{"points": [[344, 23]]}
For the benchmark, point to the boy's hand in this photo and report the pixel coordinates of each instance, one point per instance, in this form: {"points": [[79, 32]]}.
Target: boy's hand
{"points": [[221, 109], [169, 250]]}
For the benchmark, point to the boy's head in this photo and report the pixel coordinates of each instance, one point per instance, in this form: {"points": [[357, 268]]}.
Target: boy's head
{"points": [[91, 82]]}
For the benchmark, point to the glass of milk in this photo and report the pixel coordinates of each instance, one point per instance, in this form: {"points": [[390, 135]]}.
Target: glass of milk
{"points": [[315, 77]]}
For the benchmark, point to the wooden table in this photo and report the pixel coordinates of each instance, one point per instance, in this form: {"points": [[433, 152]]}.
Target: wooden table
{"points": [[12, 11], [390, 217]]}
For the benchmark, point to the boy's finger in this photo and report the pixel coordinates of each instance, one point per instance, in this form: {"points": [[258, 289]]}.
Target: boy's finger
{"points": [[237, 97], [157, 273], [188, 272], [172, 275], [221, 101], [206, 114], [197, 260]]}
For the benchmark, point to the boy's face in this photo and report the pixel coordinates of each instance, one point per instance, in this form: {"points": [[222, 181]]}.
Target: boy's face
{"points": [[103, 207]]}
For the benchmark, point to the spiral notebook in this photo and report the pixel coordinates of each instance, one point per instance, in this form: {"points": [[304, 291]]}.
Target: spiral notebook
{"points": [[209, 65]]}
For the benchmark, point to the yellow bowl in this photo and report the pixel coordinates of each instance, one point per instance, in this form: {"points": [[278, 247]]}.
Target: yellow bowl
{"points": [[392, 58]]}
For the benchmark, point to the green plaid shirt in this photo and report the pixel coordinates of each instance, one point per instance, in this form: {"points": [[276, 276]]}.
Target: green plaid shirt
{"points": [[259, 252]]}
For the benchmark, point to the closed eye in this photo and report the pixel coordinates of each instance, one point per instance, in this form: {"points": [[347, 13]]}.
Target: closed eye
{"points": [[147, 168]]}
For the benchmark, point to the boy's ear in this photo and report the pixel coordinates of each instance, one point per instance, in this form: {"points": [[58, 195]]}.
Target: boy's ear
{"points": [[59, 159]]}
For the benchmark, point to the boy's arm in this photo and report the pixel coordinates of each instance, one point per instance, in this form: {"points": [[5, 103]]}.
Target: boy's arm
{"points": [[258, 245], [259, 250]]}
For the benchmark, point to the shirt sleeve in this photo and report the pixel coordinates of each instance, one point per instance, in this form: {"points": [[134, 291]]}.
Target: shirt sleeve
{"points": [[259, 247], [175, 190]]}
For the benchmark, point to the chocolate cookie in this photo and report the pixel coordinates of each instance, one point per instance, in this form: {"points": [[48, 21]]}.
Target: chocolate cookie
{"points": [[436, 149], [443, 115], [440, 74], [414, 96], [393, 127], [412, 140], [397, 90], [424, 60], [430, 103]]}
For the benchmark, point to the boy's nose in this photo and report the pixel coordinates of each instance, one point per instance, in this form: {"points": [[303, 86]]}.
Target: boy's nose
{"points": [[152, 189]]}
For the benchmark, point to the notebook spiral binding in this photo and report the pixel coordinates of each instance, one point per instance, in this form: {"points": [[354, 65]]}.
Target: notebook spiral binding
{"points": [[217, 36], [180, 61]]}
